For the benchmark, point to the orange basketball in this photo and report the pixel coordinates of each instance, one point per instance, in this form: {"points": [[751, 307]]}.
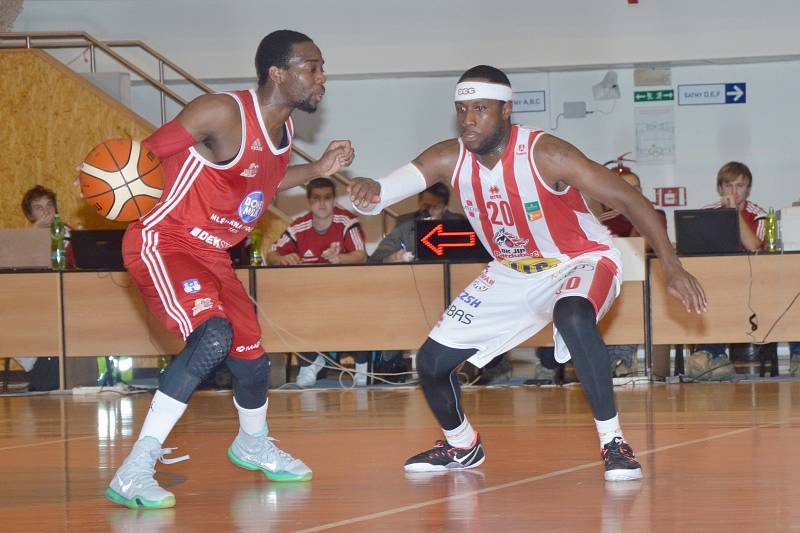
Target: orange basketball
{"points": [[121, 179]]}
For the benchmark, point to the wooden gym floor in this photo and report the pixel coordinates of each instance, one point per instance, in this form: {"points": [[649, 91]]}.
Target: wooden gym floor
{"points": [[715, 457]]}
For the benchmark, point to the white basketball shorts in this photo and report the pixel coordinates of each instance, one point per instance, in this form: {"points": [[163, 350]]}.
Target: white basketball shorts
{"points": [[502, 307]]}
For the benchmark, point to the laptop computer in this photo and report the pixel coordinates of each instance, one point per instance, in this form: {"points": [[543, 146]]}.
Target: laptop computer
{"points": [[98, 248], [25, 248], [707, 231], [448, 240]]}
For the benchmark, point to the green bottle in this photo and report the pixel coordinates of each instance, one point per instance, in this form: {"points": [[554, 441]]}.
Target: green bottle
{"points": [[771, 236], [256, 259], [58, 244]]}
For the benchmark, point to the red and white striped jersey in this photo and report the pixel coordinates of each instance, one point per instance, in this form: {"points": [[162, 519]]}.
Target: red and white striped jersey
{"points": [[302, 239], [754, 215], [211, 206], [517, 216]]}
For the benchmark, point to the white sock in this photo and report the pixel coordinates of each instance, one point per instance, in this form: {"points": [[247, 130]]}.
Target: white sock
{"points": [[162, 417], [461, 437], [361, 368], [608, 430], [253, 421]]}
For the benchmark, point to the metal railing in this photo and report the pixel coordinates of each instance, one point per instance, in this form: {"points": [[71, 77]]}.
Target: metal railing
{"points": [[63, 40]]}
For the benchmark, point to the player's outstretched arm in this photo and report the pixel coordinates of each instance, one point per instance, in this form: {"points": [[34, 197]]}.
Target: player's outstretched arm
{"points": [[370, 196], [211, 122], [338, 154], [560, 164]]}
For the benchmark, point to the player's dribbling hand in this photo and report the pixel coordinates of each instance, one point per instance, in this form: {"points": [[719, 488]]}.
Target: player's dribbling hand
{"points": [[686, 288], [338, 154], [289, 260], [364, 192], [77, 182]]}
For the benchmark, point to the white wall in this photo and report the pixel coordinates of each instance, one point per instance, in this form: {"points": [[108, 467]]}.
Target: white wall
{"points": [[391, 120], [216, 39]]}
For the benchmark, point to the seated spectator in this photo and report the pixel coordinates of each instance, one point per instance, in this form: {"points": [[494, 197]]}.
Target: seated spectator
{"points": [[327, 234], [39, 205], [734, 183], [398, 245]]}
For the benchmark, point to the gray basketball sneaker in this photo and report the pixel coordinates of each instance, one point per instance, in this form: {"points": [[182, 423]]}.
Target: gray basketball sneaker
{"points": [[260, 453], [133, 484]]}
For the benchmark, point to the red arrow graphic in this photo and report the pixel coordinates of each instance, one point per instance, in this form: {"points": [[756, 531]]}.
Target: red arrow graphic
{"points": [[439, 234]]}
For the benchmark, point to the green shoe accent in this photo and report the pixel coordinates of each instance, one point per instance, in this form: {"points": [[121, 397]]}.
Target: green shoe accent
{"points": [[272, 476], [139, 503]]}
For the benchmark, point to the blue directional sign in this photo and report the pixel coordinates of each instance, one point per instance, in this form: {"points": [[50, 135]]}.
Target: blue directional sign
{"points": [[735, 93], [712, 93]]}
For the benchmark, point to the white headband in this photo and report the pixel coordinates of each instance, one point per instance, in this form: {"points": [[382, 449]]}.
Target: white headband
{"points": [[477, 90]]}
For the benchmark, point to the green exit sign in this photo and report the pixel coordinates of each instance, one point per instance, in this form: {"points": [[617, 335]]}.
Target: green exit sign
{"points": [[665, 95]]}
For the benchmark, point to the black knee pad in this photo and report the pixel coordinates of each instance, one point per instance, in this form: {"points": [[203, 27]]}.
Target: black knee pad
{"points": [[250, 380], [574, 314], [437, 361], [206, 347]]}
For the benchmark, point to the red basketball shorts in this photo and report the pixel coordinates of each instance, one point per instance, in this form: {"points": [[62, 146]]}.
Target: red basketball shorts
{"points": [[183, 287]]}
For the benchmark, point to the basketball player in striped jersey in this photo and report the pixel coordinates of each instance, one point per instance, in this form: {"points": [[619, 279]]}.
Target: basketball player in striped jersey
{"points": [[224, 157], [521, 190]]}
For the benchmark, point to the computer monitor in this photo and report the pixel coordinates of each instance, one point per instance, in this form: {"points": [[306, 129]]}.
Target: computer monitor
{"points": [[97, 248], [448, 240], [707, 231]]}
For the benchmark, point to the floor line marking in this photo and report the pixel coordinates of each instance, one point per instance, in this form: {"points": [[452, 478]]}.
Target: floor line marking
{"points": [[518, 482], [32, 444]]}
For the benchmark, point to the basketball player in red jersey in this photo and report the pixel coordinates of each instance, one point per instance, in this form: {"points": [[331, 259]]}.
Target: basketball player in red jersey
{"points": [[224, 158], [553, 260]]}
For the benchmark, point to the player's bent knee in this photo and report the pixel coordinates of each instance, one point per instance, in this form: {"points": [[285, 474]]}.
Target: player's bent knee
{"points": [[437, 361], [208, 345], [573, 314]]}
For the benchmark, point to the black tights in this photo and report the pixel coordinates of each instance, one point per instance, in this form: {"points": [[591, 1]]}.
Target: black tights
{"points": [[576, 321]]}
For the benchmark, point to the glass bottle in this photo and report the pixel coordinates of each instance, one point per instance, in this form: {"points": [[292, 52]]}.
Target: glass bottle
{"points": [[58, 244], [256, 259]]}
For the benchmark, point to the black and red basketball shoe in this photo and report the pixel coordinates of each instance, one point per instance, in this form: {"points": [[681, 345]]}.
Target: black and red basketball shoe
{"points": [[620, 462], [444, 457]]}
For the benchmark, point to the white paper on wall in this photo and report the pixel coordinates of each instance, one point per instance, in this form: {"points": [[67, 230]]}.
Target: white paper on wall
{"points": [[655, 134]]}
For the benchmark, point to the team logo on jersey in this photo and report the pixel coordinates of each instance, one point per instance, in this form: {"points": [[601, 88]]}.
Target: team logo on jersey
{"points": [[520, 149], [191, 286], [511, 246], [533, 211], [202, 304], [494, 192], [257, 146], [470, 208], [251, 207], [308, 253], [251, 171]]}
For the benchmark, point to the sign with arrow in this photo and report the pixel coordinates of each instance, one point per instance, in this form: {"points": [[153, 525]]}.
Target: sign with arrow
{"points": [[712, 94], [438, 239]]}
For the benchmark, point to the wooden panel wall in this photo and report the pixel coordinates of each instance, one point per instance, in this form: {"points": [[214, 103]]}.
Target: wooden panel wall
{"points": [[52, 118]]}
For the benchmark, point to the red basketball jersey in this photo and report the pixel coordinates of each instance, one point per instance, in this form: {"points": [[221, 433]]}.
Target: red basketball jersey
{"points": [[302, 239], [211, 206]]}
